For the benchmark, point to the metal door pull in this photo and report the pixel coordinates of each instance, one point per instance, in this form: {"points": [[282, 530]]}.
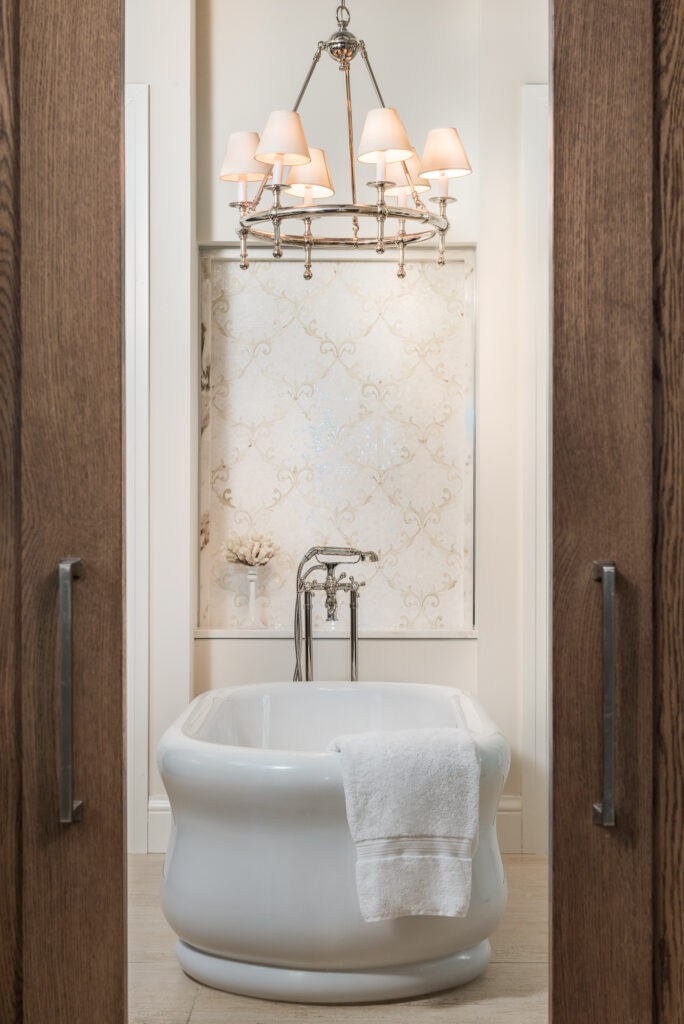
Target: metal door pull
{"points": [[70, 810], [604, 812]]}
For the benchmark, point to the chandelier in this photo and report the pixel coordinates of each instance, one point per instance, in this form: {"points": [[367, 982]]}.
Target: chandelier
{"points": [[282, 162]]}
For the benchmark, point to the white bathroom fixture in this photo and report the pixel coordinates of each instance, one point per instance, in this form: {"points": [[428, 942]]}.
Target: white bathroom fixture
{"points": [[326, 559], [384, 143], [259, 879]]}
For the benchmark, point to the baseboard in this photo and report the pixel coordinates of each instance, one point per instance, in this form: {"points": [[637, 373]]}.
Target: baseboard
{"points": [[158, 824], [508, 824]]}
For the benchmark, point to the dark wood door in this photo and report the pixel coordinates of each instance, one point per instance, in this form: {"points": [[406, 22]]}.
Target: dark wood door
{"points": [[62, 897], [62, 940], [10, 524], [602, 889]]}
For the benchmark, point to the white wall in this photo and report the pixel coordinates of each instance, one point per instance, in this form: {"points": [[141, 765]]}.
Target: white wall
{"points": [[160, 51], [512, 52], [137, 359], [465, 64]]}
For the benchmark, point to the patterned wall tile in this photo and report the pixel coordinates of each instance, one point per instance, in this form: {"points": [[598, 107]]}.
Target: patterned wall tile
{"points": [[339, 411]]}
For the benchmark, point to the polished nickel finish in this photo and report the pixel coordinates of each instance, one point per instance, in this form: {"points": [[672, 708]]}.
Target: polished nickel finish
{"points": [[354, 630], [442, 202], [308, 631], [326, 560], [604, 812], [314, 62], [342, 47], [70, 810], [434, 223], [350, 135]]}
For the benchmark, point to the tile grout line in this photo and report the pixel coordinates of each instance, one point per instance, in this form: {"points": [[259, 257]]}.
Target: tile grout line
{"points": [[192, 1007]]}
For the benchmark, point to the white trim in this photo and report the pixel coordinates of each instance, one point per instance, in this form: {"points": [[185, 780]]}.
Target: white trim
{"points": [[159, 820], [364, 634], [510, 804], [508, 824], [536, 584], [137, 461]]}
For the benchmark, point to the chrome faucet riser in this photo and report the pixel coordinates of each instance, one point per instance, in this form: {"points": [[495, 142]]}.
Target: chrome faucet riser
{"points": [[326, 560]]}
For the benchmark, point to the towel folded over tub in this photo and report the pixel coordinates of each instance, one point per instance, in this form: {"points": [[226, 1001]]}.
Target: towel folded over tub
{"points": [[412, 799]]}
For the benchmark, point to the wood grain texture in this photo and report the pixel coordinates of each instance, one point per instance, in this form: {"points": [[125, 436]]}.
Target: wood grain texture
{"points": [[10, 524], [669, 550], [602, 503], [71, 223]]}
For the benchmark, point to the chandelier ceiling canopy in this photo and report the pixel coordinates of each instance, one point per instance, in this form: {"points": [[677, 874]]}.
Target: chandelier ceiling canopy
{"points": [[282, 161]]}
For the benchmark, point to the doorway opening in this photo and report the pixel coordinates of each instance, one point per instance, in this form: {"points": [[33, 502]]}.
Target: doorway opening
{"points": [[181, 94]]}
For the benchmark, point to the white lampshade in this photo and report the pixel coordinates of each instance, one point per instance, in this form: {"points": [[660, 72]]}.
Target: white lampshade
{"points": [[395, 173], [383, 137], [239, 163], [283, 139], [314, 176], [444, 155]]}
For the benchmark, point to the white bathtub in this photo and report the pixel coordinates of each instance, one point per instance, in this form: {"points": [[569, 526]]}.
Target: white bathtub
{"points": [[259, 879]]}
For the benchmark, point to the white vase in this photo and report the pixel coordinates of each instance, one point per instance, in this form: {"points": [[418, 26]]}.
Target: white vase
{"points": [[252, 577]]}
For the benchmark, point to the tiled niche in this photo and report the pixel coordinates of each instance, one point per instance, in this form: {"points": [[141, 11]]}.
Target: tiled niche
{"points": [[339, 411]]}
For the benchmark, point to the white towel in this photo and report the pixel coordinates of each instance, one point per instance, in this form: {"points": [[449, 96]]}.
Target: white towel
{"points": [[412, 799]]}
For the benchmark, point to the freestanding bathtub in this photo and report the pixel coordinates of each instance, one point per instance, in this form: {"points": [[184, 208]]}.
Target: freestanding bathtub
{"points": [[259, 878]]}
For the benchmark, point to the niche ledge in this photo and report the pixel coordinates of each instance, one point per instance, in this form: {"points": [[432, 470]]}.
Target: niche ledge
{"points": [[364, 634]]}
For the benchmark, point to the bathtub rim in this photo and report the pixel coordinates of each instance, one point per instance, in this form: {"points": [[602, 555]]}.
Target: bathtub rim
{"points": [[175, 738]]}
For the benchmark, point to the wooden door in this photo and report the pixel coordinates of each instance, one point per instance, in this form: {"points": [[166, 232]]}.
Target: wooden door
{"points": [[668, 613], [62, 897], [10, 525], [602, 890]]}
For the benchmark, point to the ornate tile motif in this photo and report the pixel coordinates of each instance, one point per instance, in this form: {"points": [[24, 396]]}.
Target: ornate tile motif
{"points": [[340, 411]]}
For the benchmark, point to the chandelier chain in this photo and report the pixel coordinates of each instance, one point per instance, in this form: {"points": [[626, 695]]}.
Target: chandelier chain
{"points": [[342, 14]]}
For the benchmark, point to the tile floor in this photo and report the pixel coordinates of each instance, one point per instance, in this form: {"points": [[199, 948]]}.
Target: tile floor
{"points": [[512, 989]]}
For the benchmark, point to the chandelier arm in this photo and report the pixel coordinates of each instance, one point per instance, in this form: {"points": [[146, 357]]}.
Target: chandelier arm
{"points": [[364, 54], [314, 62], [414, 195], [350, 131], [262, 184]]}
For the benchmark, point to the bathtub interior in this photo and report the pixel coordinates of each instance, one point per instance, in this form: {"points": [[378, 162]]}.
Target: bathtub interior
{"points": [[307, 716]]}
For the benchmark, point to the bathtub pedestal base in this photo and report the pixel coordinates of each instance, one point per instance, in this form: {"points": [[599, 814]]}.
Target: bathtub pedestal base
{"points": [[358, 986]]}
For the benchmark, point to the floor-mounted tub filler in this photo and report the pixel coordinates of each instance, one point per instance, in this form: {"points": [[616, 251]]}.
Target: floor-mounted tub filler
{"points": [[259, 881]]}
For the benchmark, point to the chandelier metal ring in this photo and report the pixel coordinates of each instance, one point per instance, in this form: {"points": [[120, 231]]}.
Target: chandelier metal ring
{"points": [[436, 223]]}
